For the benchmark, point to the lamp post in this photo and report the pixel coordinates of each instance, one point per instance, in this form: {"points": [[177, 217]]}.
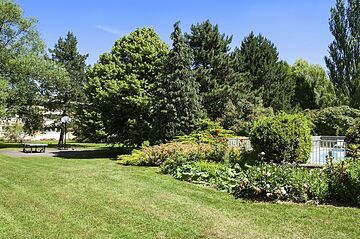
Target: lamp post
{"points": [[65, 120]]}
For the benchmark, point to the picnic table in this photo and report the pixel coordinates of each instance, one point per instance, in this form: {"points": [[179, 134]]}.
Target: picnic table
{"points": [[41, 148]]}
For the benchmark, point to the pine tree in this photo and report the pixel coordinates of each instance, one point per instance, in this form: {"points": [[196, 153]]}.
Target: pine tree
{"points": [[269, 76], [344, 52], [214, 69], [177, 103], [69, 94]]}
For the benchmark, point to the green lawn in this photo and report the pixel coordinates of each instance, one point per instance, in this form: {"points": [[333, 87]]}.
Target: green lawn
{"points": [[52, 197]]}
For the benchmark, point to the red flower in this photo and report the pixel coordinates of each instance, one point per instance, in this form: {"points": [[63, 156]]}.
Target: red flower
{"points": [[214, 135], [217, 131], [218, 140]]}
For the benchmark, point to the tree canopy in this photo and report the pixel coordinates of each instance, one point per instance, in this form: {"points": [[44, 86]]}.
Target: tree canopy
{"points": [[269, 76], [343, 61], [177, 103], [313, 88], [121, 85]]}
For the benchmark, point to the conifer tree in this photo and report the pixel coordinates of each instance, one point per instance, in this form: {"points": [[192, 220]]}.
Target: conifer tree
{"points": [[177, 103], [269, 76], [214, 69], [343, 61], [65, 96]]}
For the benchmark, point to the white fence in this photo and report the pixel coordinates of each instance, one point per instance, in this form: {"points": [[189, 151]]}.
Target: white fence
{"points": [[322, 147], [325, 146]]}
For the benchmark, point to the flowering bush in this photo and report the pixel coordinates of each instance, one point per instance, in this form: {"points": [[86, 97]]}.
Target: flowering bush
{"points": [[282, 182], [158, 154]]}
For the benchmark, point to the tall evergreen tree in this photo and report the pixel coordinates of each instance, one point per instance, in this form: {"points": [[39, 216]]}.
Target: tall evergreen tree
{"points": [[343, 61], [65, 96], [214, 69], [269, 76], [177, 103]]}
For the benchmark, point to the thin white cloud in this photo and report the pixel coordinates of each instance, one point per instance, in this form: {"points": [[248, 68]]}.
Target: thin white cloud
{"points": [[109, 29]]}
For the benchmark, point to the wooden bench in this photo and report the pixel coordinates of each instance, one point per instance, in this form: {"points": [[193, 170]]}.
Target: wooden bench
{"points": [[41, 148]]}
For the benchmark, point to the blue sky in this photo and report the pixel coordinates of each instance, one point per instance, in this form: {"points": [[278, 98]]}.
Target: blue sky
{"points": [[298, 28]]}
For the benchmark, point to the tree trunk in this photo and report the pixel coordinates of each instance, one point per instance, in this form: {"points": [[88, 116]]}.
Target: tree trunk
{"points": [[61, 138]]}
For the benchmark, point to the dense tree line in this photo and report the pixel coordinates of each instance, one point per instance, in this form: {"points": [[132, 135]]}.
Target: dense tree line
{"points": [[142, 90]]}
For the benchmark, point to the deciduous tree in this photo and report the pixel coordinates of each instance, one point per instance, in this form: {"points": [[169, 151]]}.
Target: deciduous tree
{"points": [[121, 85], [343, 61]]}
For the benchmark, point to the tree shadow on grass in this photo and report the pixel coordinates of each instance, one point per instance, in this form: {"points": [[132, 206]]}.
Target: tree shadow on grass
{"points": [[4, 145], [88, 154]]}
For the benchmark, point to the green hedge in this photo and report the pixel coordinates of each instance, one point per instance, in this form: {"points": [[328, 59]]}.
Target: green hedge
{"points": [[282, 138]]}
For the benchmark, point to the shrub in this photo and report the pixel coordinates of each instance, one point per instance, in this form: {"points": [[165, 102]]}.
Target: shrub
{"points": [[14, 132], [240, 117], [282, 138], [352, 139], [282, 182], [158, 154], [334, 120], [203, 172], [207, 131], [344, 181]]}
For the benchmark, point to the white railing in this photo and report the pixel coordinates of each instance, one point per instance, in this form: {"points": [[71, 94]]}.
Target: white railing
{"points": [[322, 147], [240, 142], [325, 146]]}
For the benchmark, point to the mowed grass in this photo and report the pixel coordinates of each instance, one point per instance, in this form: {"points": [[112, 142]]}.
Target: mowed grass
{"points": [[52, 197]]}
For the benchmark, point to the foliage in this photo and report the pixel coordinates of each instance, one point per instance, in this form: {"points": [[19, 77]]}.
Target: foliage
{"points": [[180, 151], [334, 120], [282, 138], [313, 89], [121, 85], [62, 96], [344, 181], [282, 182], [23, 65], [176, 100], [88, 125], [26, 94], [269, 76], [265, 182], [157, 154], [240, 117], [4, 93], [215, 69], [207, 131], [352, 139], [203, 172], [33, 120], [14, 132], [344, 51]]}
